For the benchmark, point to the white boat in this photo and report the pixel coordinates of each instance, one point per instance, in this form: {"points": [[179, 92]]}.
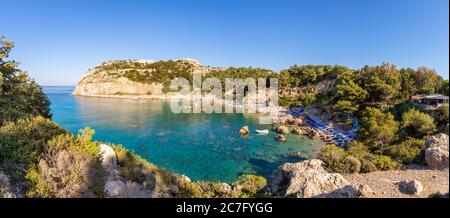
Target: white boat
{"points": [[264, 131]]}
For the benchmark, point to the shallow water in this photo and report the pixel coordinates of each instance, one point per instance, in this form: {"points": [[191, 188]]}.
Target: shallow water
{"points": [[200, 146]]}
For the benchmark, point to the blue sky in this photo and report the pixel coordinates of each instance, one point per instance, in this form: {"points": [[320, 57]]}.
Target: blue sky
{"points": [[58, 41]]}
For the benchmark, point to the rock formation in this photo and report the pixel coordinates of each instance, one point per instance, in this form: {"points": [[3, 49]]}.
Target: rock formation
{"points": [[282, 130], [311, 178], [244, 130], [413, 187], [436, 152], [139, 77]]}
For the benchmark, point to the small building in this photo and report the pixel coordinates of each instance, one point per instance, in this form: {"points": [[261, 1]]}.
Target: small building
{"points": [[435, 100]]}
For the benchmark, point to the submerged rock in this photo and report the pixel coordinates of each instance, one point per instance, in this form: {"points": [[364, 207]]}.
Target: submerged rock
{"points": [[281, 138], [436, 152], [296, 154]]}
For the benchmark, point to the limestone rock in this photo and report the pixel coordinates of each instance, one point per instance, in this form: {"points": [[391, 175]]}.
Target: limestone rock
{"points": [[364, 191], [115, 189], [436, 152], [108, 158], [413, 187], [282, 130], [309, 179]]}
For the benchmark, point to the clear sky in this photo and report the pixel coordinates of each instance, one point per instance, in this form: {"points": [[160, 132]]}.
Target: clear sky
{"points": [[58, 41]]}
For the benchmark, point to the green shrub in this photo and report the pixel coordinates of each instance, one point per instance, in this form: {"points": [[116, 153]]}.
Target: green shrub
{"points": [[417, 123], [245, 187], [65, 173], [250, 184], [23, 141], [332, 156], [136, 169], [385, 163], [359, 150], [351, 164], [378, 129], [339, 160], [408, 151], [441, 117], [367, 166]]}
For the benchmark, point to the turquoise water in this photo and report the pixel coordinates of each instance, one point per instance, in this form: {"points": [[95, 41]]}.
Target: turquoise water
{"points": [[200, 146]]}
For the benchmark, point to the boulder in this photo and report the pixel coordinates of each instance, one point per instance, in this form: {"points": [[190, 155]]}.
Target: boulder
{"points": [[115, 189], [311, 179], [108, 158], [244, 130], [295, 154], [436, 152], [298, 131], [413, 187], [282, 130], [281, 138]]}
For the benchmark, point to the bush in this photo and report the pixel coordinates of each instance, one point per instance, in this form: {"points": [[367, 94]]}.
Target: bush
{"points": [[378, 129], [418, 124], [367, 166], [441, 117], [23, 141], [408, 151], [250, 184], [66, 173], [339, 160], [136, 169], [332, 156], [385, 163], [351, 164]]}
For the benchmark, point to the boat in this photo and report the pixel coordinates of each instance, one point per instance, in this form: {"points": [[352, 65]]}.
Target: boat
{"points": [[264, 131]]}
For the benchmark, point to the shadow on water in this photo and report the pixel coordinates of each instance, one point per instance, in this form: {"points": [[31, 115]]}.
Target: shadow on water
{"points": [[268, 168]]}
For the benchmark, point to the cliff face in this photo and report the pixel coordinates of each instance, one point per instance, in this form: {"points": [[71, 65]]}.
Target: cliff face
{"points": [[139, 77], [107, 85]]}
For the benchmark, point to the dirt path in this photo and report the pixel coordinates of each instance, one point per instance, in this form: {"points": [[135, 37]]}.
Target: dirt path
{"points": [[385, 184]]}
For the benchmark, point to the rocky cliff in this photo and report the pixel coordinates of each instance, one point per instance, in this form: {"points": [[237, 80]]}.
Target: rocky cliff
{"points": [[138, 77]]}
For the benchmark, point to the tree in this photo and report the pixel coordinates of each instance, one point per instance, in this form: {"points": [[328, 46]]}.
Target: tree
{"points": [[417, 123], [19, 95], [378, 129], [381, 82], [408, 151], [349, 94], [441, 118], [444, 87], [408, 85], [427, 80]]}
